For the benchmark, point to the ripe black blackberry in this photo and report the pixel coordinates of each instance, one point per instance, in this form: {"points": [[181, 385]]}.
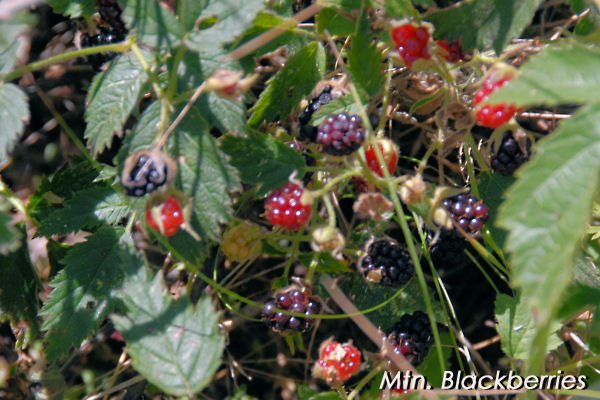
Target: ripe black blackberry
{"points": [[447, 250], [509, 156], [387, 263], [105, 36], [468, 211], [110, 13], [341, 135], [144, 173], [307, 131], [412, 337], [294, 300]]}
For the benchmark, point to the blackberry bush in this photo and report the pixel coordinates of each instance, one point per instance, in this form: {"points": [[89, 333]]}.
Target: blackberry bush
{"points": [[387, 263], [412, 336]]}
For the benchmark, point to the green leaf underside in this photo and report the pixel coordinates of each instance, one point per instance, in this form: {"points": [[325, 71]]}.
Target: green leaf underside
{"points": [[483, 23], [548, 208], [9, 235], [177, 346], [517, 329], [263, 160], [294, 81], [111, 99], [84, 291], [88, 208], [226, 114], [561, 74], [14, 114], [365, 295]]}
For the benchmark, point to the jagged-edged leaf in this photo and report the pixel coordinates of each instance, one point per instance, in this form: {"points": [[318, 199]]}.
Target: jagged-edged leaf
{"points": [[366, 75], [11, 40], [366, 295], [153, 24], [205, 174], [335, 23], [14, 114], [88, 208], [18, 285], [195, 67], [226, 114], [113, 96], [73, 8], [492, 188], [326, 263], [226, 19], [587, 272], [401, 8], [577, 299], [84, 292], [482, 23], [345, 104], [176, 346], [10, 237], [263, 160], [517, 329], [294, 81], [564, 73], [548, 208]]}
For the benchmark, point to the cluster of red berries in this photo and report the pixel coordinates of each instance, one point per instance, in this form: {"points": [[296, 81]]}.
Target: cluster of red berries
{"points": [[389, 151], [411, 42], [293, 300], [341, 134], [337, 362], [412, 337], [493, 115], [283, 207], [468, 211], [170, 216]]}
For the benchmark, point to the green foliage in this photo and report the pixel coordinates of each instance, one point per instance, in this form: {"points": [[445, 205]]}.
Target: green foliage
{"points": [[113, 96], [492, 188], [517, 329], [263, 160], [294, 81], [367, 76], [10, 237], [345, 104], [326, 263], [84, 292], [184, 349], [76, 8], [10, 32], [335, 23], [481, 23], [14, 114], [151, 23]]}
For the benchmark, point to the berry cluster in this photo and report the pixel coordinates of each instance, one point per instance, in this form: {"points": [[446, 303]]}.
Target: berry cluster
{"points": [[341, 135], [171, 216], [144, 173], [387, 263], [454, 51], [283, 207], [509, 156], [307, 131], [468, 211], [493, 115], [412, 336], [390, 157], [337, 362], [293, 300], [242, 242], [411, 42], [447, 249], [112, 30]]}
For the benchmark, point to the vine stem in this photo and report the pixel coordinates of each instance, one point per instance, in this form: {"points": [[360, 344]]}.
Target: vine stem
{"points": [[34, 66]]}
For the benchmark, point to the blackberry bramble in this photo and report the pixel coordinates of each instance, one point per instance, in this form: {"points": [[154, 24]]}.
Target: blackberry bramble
{"points": [[412, 337], [387, 263]]}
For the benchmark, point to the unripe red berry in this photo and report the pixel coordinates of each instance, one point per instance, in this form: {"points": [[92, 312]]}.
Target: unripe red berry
{"points": [[390, 155], [171, 217], [283, 207], [493, 115], [411, 42]]}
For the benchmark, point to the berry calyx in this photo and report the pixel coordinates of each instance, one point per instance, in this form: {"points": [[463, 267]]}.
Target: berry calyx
{"points": [[411, 43], [387, 263], [493, 115], [170, 216], [468, 211], [509, 156], [337, 362], [284, 208], [293, 299], [341, 135], [412, 337], [390, 155]]}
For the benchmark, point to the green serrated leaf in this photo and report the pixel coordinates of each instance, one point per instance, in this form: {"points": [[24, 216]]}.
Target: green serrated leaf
{"points": [[263, 160], [153, 24], [400, 8], [84, 292], [564, 73], [232, 19], [19, 285], [517, 329], [88, 209], [551, 204], [481, 23], [366, 295], [176, 346], [294, 81], [492, 188], [226, 114], [577, 299], [10, 237], [368, 76], [117, 92], [11, 40], [345, 104], [14, 114], [73, 8], [587, 272], [326, 263], [335, 23]]}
